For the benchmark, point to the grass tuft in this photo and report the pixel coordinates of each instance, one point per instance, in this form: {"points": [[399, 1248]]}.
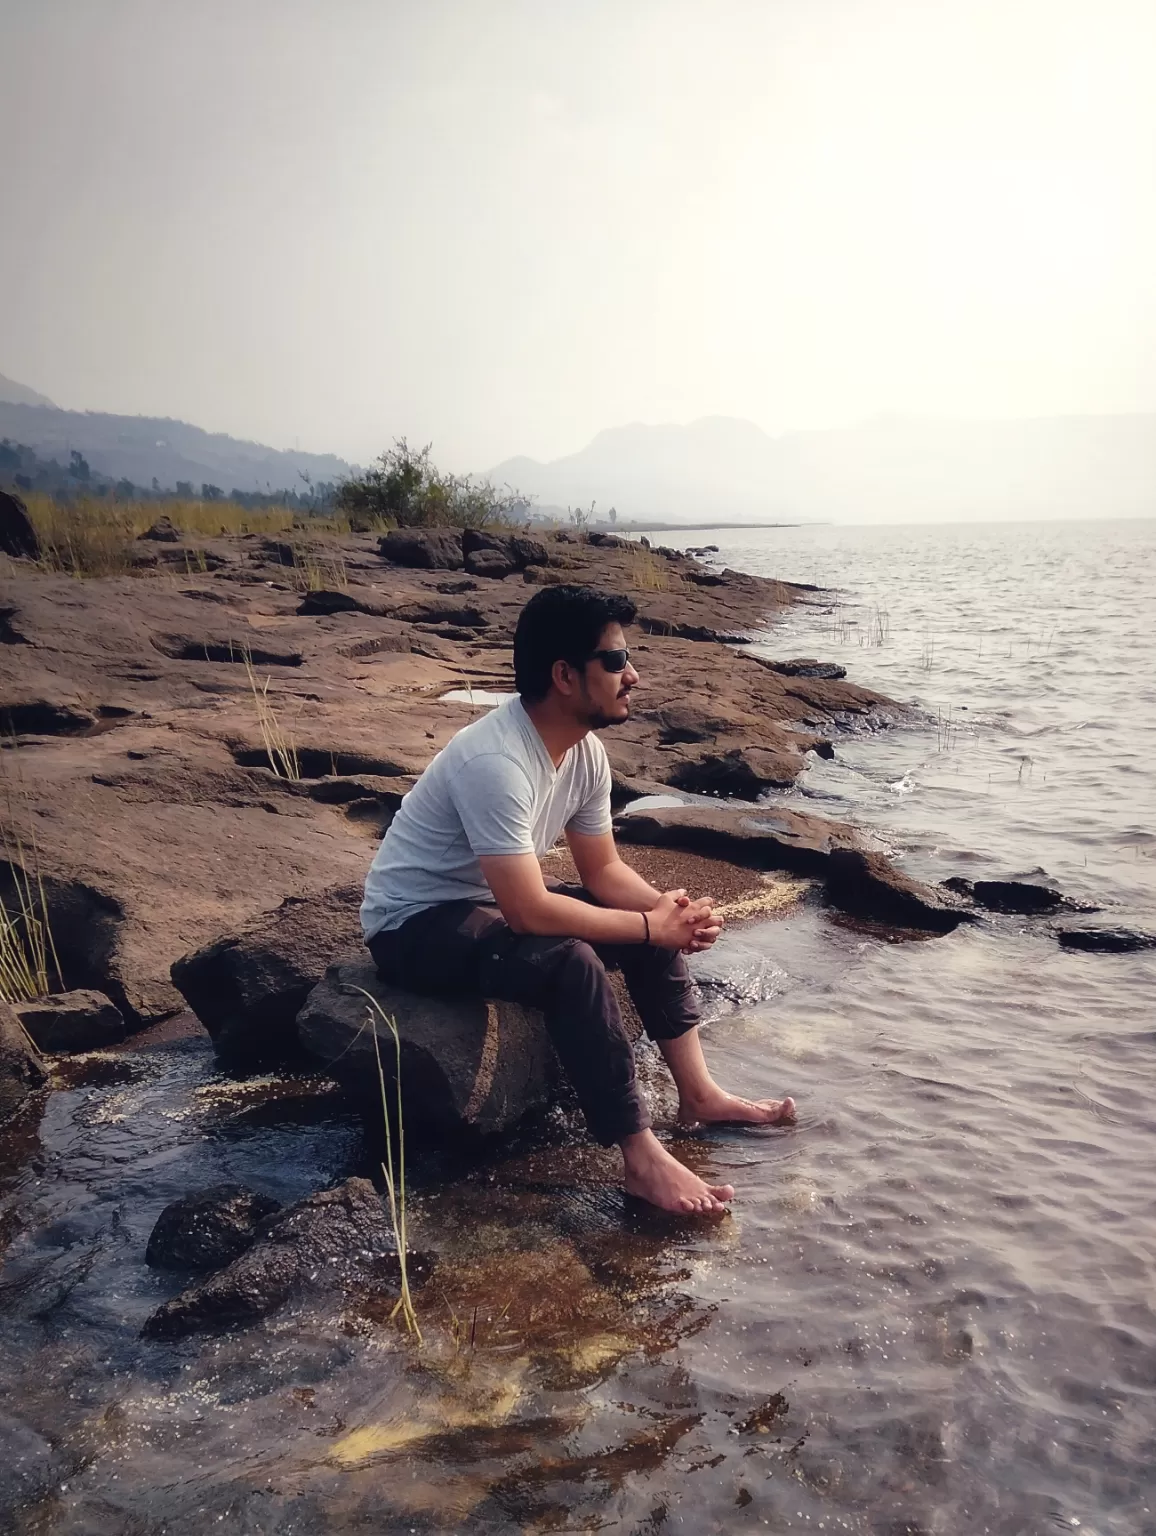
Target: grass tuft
{"points": [[279, 745], [394, 1176], [645, 571]]}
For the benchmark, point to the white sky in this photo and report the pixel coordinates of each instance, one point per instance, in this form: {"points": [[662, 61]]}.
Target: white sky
{"points": [[504, 225]]}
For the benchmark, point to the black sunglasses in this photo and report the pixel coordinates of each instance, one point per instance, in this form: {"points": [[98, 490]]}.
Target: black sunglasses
{"points": [[612, 661]]}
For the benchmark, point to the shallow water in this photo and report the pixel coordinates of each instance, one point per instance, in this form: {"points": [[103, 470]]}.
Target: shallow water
{"points": [[932, 1309]]}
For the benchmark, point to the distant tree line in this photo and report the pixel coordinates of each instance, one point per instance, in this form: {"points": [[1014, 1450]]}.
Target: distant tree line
{"points": [[23, 469]]}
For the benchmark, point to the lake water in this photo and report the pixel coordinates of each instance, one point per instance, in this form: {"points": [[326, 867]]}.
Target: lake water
{"points": [[933, 1309]]}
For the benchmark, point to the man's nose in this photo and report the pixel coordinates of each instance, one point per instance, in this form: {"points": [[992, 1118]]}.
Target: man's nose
{"points": [[629, 676]]}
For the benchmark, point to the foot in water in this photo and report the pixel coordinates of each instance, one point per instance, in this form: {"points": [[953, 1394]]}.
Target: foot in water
{"points": [[717, 1107], [652, 1174]]}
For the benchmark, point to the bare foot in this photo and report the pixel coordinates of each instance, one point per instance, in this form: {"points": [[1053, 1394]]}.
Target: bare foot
{"points": [[653, 1174], [721, 1108]]}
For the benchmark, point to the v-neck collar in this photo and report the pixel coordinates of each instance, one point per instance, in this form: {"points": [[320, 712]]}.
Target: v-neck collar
{"points": [[538, 744]]}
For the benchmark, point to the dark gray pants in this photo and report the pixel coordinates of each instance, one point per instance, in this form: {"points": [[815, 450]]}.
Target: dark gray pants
{"points": [[460, 946]]}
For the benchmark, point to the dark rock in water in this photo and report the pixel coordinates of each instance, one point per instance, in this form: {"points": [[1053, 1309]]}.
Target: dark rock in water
{"points": [[21, 1071], [72, 1021], [867, 884], [337, 1238], [18, 536], [1116, 941], [762, 838], [467, 1064], [1015, 896], [247, 988], [490, 562], [807, 666], [163, 531], [427, 549], [208, 1230]]}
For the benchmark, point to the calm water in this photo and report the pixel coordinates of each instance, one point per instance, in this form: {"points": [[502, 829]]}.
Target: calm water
{"points": [[933, 1308]]}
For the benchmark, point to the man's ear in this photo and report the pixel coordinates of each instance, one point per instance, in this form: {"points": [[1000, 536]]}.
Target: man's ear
{"points": [[564, 677]]}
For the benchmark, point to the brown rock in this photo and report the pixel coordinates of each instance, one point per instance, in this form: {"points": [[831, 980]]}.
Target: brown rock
{"points": [[467, 1065], [247, 988], [490, 562], [21, 1070], [163, 531], [72, 1021], [866, 884], [430, 549], [769, 838]]}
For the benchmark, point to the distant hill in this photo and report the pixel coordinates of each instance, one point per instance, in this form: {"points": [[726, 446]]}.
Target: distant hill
{"points": [[144, 448], [12, 393], [892, 469]]}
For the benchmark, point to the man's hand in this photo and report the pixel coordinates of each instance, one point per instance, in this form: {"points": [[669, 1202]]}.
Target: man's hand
{"points": [[677, 922]]}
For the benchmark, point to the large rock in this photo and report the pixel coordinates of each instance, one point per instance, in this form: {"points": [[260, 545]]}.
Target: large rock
{"points": [[72, 1021], [518, 549], [18, 537], [427, 549], [769, 838], [743, 773], [328, 600], [490, 562], [467, 1064], [209, 1229], [247, 988], [866, 884], [163, 531], [1021, 897], [336, 1238], [21, 1071], [805, 666]]}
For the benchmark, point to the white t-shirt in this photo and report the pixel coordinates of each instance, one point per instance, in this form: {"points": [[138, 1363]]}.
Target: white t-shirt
{"points": [[493, 790]]}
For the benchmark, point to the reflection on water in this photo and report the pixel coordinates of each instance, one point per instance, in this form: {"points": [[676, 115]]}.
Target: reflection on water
{"points": [[932, 1309]]}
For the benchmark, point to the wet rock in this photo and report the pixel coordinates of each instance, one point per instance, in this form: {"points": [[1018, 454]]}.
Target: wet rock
{"points": [[18, 537], [31, 1469], [806, 666], [743, 773], [490, 562], [767, 838], [427, 549], [467, 1064], [72, 1021], [866, 884], [21, 1070], [335, 1239], [248, 987], [1115, 941], [1015, 896], [163, 531], [209, 1229]]}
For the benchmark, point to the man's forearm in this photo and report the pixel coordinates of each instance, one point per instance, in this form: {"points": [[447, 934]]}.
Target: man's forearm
{"points": [[558, 914], [617, 885]]}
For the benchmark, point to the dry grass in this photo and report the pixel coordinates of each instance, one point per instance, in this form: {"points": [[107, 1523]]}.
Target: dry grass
{"points": [[279, 745], [93, 535], [317, 569], [29, 964], [394, 1173], [645, 571]]}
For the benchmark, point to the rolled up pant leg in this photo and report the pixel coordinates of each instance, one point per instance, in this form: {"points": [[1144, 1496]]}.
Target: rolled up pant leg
{"points": [[461, 947]]}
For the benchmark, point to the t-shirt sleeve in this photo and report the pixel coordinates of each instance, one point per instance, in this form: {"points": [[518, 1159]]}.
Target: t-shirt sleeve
{"points": [[592, 818], [494, 799]]}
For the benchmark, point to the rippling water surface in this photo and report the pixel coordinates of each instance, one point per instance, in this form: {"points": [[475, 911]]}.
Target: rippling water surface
{"points": [[933, 1308]]}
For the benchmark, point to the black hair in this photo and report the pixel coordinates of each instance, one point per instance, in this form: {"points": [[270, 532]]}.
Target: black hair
{"points": [[562, 623]]}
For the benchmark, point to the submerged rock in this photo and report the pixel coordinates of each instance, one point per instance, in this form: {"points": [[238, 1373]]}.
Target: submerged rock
{"points": [[867, 884], [1022, 897], [21, 1071], [467, 1064], [72, 1021], [248, 987], [209, 1229], [336, 1238], [1117, 941]]}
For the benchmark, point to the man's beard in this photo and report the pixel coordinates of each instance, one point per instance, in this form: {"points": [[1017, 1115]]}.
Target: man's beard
{"points": [[597, 720]]}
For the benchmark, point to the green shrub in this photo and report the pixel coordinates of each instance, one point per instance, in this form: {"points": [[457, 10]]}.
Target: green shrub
{"points": [[404, 489]]}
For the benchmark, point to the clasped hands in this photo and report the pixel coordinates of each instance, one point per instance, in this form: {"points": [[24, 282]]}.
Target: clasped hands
{"points": [[677, 922]]}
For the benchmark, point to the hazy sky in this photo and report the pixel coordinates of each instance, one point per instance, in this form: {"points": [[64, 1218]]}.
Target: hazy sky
{"points": [[506, 225]]}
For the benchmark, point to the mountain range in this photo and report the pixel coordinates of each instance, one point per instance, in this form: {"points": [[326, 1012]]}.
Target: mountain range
{"points": [[144, 448], [890, 469]]}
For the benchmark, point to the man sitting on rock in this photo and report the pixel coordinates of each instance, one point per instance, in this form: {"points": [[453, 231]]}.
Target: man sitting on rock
{"points": [[456, 900]]}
